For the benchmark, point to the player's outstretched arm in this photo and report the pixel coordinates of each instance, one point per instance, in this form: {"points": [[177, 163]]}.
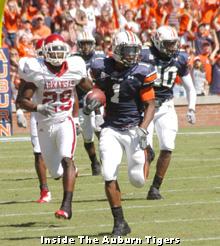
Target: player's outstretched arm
{"points": [[191, 97]]}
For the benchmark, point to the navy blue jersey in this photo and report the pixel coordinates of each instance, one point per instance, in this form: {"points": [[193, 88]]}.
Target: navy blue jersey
{"points": [[88, 60], [167, 70], [122, 90]]}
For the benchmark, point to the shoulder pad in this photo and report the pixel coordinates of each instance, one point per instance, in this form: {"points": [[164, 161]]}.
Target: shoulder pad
{"points": [[77, 66], [29, 69]]}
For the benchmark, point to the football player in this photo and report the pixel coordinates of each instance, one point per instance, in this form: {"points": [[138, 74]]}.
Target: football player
{"points": [[169, 62], [90, 123], [52, 81], [127, 85], [45, 194]]}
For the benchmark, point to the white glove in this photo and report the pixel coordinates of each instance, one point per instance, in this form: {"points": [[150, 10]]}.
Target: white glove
{"points": [[142, 135], [47, 109], [77, 124], [191, 117], [21, 120], [90, 106], [98, 121]]}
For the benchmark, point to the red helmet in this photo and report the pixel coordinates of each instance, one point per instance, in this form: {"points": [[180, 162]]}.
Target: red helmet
{"points": [[39, 47], [55, 49]]}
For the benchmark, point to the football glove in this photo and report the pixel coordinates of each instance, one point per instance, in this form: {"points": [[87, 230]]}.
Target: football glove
{"points": [[21, 120], [142, 135], [46, 109], [191, 117], [90, 106]]}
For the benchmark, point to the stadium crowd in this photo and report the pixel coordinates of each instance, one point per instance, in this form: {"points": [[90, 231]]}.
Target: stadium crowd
{"points": [[197, 23]]}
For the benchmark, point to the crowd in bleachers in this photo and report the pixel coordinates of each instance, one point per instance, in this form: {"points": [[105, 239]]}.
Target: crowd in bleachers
{"points": [[197, 22]]}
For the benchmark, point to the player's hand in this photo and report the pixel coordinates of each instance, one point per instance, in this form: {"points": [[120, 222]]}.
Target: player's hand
{"points": [[98, 121], [90, 106], [21, 120], [47, 109], [77, 124], [191, 117], [142, 135]]}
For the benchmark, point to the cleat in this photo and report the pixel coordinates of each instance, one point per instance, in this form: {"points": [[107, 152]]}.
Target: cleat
{"points": [[45, 196], [121, 228], [154, 194], [61, 214], [96, 168]]}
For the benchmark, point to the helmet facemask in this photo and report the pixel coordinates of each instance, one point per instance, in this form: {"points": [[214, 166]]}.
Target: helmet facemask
{"points": [[127, 54], [86, 47], [56, 52]]}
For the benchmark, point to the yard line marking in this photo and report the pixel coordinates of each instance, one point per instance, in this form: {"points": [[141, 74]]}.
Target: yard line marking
{"points": [[15, 139], [131, 223], [125, 207], [25, 139]]}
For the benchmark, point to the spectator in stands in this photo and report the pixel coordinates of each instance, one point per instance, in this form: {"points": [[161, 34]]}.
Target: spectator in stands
{"points": [[45, 13], [215, 83], [90, 11], [40, 30], [28, 10], [202, 36], [199, 77], [105, 25], [25, 29], [25, 47], [11, 19]]}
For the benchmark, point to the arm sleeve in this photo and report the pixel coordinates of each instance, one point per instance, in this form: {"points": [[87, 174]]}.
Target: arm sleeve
{"points": [[190, 91]]}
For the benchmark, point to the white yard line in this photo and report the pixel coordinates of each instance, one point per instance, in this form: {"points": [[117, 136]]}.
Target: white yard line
{"points": [[125, 207], [24, 139]]}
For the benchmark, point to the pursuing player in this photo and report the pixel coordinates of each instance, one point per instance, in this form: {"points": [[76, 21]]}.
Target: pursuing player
{"points": [[169, 62], [127, 85], [53, 80], [89, 123], [45, 194]]}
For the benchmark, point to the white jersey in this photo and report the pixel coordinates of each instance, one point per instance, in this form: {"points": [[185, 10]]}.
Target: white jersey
{"points": [[53, 88]]}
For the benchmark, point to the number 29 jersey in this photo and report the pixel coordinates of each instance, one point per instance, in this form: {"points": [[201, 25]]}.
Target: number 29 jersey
{"points": [[53, 88], [167, 70], [122, 90]]}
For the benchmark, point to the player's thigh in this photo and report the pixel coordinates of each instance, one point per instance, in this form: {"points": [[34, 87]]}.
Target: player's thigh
{"points": [[49, 151], [88, 127], [136, 159], [66, 138], [166, 127], [111, 152]]}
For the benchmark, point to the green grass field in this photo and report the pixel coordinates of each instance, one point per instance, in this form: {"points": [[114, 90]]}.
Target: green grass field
{"points": [[190, 210]]}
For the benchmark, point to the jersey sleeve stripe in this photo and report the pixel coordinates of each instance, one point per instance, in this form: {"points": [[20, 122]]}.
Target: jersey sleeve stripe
{"points": [[150, 78], [147, 94]]}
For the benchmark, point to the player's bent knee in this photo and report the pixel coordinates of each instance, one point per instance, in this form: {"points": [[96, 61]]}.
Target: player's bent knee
{"points": [[136, 177]]}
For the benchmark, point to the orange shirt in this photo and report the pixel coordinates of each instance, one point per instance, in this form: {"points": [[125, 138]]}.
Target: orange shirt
{"points": [[42, 31], [25, 50], [11, 20], [207, 67]]}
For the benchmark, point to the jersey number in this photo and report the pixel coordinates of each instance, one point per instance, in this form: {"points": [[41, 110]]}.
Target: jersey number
{"points": [[165, 76], [116, 90], [63, 98]]}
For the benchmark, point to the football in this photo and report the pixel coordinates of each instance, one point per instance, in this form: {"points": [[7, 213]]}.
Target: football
{"points": [[97, 94]]}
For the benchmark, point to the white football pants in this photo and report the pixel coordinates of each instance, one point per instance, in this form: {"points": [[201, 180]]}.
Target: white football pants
{"points": [[112, 144]]}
